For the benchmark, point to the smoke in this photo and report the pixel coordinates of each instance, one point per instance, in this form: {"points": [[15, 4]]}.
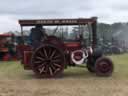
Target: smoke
{"points": [[117, 33], [122, 34]]}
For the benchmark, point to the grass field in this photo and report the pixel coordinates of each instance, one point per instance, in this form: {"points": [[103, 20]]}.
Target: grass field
{"points": [[14, 81]]}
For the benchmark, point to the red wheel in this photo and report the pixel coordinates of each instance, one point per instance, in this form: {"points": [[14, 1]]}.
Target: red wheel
{"points": [[104, 67], [48, 61]]}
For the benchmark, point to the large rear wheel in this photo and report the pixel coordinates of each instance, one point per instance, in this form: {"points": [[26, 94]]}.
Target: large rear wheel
{"points": [[48, 61]]}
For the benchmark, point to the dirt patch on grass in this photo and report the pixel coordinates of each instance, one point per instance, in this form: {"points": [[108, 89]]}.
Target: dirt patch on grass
{"points": [[64, 87]]}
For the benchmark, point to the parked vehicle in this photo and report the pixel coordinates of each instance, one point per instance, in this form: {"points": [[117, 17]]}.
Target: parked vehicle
{"points": [[48, 55]]}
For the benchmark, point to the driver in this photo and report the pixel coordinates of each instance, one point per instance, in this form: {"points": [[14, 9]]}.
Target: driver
{"points": [[36, 35]]}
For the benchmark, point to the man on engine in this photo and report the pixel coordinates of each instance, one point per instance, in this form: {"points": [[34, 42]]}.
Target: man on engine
{"points": [[37, 35]]}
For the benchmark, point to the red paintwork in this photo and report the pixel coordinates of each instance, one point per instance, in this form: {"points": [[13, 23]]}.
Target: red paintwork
{"points": [[6, 35], [55, 41], [27, 59], [71, 46], [78, 56], [6, 57], [3, 49], [22, 48], [24, 52]]}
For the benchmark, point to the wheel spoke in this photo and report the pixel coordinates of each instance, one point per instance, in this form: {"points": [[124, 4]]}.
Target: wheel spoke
{"points": [[53, 67], [49, 52], [45, 52], [43, 64], [56, 70], [37, 62], [57, 65], [53, 53], [57, 56], [42, 69], [40, 58], [50, 70], [42, 55], [55, 61]]}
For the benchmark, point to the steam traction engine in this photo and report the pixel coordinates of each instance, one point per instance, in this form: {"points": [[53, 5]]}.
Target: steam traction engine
{"points": [[50, 55], [7, 47]]}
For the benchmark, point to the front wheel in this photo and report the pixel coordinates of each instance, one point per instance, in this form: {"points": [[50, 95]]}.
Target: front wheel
{"points": [[104, 66]]}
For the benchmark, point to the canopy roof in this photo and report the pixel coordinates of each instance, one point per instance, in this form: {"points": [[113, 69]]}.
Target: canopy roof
{"points": [[52, 22]]}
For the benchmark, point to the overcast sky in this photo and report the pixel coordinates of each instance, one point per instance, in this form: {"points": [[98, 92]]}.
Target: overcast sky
{"points": [[108, 11]]}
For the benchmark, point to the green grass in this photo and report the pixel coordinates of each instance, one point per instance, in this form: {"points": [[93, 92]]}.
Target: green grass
{"points": [[14, 70], [121, 65]]}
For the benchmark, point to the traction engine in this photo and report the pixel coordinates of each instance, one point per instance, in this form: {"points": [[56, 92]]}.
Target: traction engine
{"points": [[48, 55]]}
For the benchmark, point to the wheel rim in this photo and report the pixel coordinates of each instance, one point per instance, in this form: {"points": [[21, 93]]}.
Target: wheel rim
{"points": [[48, 61], [104, 66]]}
